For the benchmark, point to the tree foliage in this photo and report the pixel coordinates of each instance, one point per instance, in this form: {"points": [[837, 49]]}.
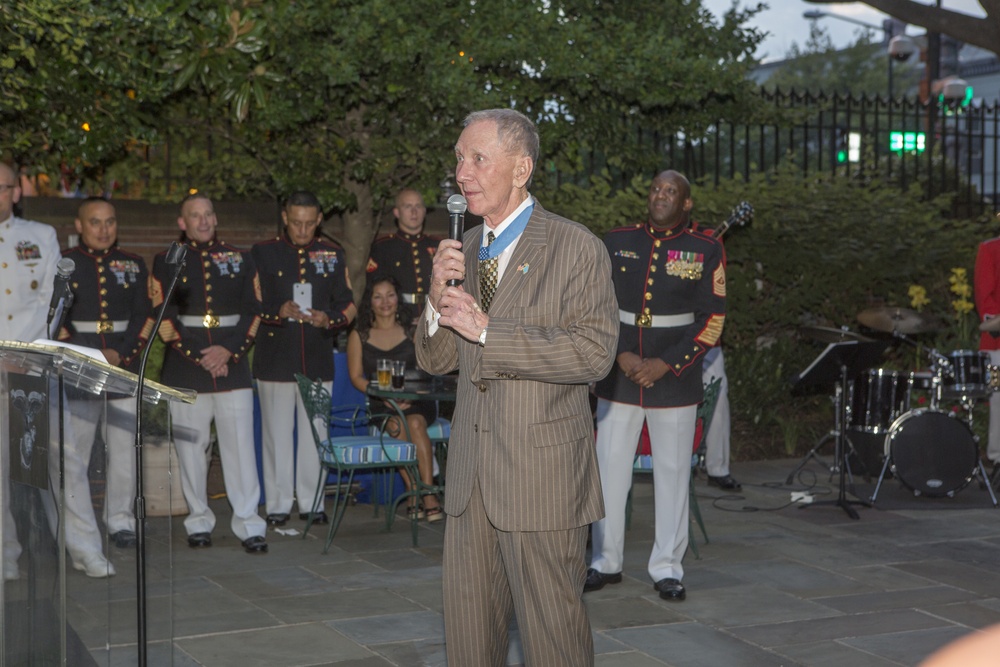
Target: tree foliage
{"points": [[80, 81], [356, 98]]}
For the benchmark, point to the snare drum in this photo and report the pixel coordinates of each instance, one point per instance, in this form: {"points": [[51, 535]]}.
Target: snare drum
{"points": [[969, 375], [933, 453], [877, 398]]}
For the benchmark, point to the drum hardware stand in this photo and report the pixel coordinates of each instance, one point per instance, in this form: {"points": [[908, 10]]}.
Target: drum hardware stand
{"points": [[838, 363], [841, 409], [969, 403], [833, 434]]}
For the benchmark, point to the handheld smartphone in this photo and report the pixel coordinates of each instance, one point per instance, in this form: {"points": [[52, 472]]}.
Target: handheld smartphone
{"points": [[302, 295]]}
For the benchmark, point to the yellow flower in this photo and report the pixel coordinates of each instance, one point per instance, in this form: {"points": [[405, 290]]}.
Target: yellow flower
{"points": [[959, 282], [962, 306], [918, 297]]}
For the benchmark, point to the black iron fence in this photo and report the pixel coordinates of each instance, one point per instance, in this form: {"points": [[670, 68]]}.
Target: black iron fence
{"points": [[939, 146]]}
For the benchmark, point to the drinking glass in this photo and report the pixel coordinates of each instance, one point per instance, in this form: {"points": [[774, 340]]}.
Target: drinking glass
{"points": [[398, 375], [384, 367]]}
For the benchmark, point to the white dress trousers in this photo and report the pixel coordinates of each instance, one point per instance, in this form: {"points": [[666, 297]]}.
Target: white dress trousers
{"points": [[83, 537], [717, 435], [671, 434], [291, 468], [993, 434], [119, 436], [233, 415]]}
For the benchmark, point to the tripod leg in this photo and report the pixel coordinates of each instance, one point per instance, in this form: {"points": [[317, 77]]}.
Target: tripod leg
{"points": [[812, 455], [989, 485], [881, 476]]}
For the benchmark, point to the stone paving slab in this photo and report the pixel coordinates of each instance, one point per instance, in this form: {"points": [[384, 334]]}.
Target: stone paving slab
{"points": [[775, 586]]}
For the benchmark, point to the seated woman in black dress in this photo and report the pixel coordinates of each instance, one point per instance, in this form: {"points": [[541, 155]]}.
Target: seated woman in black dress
{"points": [[385, 331]]}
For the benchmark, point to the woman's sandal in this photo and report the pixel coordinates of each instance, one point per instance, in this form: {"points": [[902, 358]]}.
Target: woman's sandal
{"points": [[433, 514], [415, 513]]}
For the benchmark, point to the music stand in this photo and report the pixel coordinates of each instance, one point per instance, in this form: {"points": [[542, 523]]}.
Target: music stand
{"points": [[839, 363]]}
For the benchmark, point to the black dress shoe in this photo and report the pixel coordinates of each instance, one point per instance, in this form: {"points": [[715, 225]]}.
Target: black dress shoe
{"points": [[724, 482], [670, 589], [277, 519], [255, 545], [318, 517], [124, 539], [598, 580], [198, 540]]}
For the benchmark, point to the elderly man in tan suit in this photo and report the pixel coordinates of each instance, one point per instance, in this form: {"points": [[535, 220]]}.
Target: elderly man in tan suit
{"points": [[534, 322]]}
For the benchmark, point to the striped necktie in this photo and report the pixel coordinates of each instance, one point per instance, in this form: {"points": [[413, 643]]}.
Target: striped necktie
{"points": [[488, 276]]}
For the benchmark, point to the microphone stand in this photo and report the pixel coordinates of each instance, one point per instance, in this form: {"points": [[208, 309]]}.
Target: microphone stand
{"points": [[175, 258]]}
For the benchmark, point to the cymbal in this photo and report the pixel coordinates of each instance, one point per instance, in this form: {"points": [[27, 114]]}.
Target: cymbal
{"points": [[831, 335], [899, 320], [992, 325]]}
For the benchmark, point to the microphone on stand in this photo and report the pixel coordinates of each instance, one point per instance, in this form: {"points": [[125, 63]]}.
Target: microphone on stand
{"points": [[175, 254], [62, 296], [174, 258], [457, 204]]}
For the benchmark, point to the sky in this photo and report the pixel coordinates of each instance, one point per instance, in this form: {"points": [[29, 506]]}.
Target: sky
{"points": [[785, 25]]}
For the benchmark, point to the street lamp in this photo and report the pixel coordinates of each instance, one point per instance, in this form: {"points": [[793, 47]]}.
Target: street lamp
{"points": [[814, 14]]}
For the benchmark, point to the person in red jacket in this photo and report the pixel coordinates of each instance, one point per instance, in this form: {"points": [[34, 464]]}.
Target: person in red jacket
{"points": [[986, 288]]}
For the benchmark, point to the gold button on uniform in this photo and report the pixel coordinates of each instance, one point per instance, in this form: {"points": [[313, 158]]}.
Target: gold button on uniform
{"points": [[649, 296]]}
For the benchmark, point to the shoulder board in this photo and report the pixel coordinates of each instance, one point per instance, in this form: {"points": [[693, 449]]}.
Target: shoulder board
{"points": [[630, 228], [327, 243]]}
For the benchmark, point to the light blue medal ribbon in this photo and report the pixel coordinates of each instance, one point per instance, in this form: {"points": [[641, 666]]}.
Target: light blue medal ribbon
{"points": [[508, 235]]}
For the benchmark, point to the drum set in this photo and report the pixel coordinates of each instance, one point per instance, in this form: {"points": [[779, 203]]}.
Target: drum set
{"points": [[920, 423]]}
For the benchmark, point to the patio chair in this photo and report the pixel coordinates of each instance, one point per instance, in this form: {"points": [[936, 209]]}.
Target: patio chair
{"points": [[367, 446]]}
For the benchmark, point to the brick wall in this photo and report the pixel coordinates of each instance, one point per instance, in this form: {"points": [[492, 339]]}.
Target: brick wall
{"points": [[147, 229]]}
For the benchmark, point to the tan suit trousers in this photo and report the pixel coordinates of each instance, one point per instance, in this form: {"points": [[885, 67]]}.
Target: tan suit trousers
{"points": [[488, 573]]}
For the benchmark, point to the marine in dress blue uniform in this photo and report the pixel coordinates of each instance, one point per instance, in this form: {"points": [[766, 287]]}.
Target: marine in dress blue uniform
{"points": [[671, 287], [292, 341], [407, 254], [110, 313], [209, 326]]}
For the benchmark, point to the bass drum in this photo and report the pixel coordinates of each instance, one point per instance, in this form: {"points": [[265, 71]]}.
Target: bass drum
{"points": [[933, 453]]}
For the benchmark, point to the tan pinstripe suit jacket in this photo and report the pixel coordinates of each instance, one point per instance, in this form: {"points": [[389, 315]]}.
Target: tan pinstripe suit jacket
{"points": [[522, 421]]}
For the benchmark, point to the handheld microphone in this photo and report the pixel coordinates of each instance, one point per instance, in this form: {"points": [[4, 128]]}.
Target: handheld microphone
{"points": [[457, 204], [60, 289]]}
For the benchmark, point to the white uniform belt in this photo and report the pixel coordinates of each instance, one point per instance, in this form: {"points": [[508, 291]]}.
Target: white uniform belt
{"points": [[102, 327], [655, 321], [415, 299], [209, 321]]}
